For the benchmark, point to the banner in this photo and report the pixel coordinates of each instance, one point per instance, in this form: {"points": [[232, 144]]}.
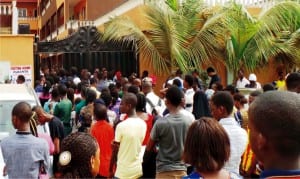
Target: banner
{"points": [[25, 70]]}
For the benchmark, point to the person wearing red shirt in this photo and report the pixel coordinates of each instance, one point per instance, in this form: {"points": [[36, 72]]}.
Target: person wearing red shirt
{"points": [[104, 134]]}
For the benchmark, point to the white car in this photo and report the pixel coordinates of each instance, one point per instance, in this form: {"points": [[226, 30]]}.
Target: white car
{"points": [[11, 94]]}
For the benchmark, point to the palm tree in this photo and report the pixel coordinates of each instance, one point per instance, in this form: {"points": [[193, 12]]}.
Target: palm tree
{"points": [[179, 35], [252, 42]]}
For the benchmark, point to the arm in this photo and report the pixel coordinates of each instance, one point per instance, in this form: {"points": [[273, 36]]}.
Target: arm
{"points": [[150, 145], [56, 145], [115, 149]]}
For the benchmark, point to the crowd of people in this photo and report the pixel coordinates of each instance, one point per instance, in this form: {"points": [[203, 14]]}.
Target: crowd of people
{"points": [[105, 125]]}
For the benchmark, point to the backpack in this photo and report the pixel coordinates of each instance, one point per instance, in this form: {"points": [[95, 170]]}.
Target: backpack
{"points": [[154, 112]]}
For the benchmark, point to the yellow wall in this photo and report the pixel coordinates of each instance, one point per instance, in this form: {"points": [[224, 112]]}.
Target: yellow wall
{"points": [[18, 50], [136, 15], [33, 22]]}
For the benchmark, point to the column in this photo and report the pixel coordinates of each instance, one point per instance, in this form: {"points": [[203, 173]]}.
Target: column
{"points": [[14, 18]]}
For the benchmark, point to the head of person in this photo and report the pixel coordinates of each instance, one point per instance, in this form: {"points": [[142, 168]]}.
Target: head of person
{"points": [[178, 73], [90, 96], [55, 94], [241, 74], [207, 145], [188, 81], [21, 115], [221, 105], [280, 75], [293, 82], [145, 74], [46, 87], [195, 73], [141, 102], [137, 82], [93, 81], [100, 112], [134, 89], [210, 71], [20, 79], [253, 95], [128, 103], [268, 87], [107, 98], [275, 128], [80, 156], [239, 100], [177, 83], [252, 78], [146, 85], [217, 86], [42, 116], [62, 90], [232, 89], [173, 97]]}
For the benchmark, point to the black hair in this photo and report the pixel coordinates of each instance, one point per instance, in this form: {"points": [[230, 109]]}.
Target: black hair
{"points": [[133, 89], [21, 78], [177, 83], [91, 95], [255, 93], [130, 98], [100, 112], [223, 98], [82, 146], [268, 87], [293, 82], [93, 81], [275, 115], [141, 102], [232, 89], [178, 72], [174, 95], [107, 98], [62, 89], [189, 80], [22, 111], [210, 69], [46, 87]]}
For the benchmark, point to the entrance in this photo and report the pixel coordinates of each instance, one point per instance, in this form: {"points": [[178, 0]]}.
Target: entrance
{"points": [[83, 49]]}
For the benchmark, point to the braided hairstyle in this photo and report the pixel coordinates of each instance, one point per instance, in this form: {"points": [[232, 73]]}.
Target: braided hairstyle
{"points": [[82, 147]]}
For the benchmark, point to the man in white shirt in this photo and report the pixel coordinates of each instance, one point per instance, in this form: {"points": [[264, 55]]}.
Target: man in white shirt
{"points": [[154, 100], [221, 107], [127, 144], [242, 81], [189, 92]]}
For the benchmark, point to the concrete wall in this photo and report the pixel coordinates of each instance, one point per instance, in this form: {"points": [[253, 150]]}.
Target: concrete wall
{"points": [[18, 50]]}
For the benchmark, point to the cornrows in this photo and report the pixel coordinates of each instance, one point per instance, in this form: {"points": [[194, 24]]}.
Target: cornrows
{"points": [[82, 147]]}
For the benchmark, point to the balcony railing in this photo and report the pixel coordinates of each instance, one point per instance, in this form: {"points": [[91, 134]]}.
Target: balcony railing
{"points": [[5, 9], [75, 24], [246, 3], [71, 26], [28, 18], [5, 30]]}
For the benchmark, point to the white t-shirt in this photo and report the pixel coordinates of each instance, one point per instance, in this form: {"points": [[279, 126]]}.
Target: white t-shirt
{"points": [[130, 133], [238, 141], [189, 99], [242, 83], [159, 106]]}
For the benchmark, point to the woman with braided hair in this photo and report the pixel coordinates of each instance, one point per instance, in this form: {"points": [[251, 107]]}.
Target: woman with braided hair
{"points": [[79, 156]]}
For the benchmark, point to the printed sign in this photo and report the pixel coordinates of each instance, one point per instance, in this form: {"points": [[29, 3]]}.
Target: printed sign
{"points": [[15, 71]]}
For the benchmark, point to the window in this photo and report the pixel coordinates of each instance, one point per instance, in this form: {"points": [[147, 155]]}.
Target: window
{"points": [[22, 12]]}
